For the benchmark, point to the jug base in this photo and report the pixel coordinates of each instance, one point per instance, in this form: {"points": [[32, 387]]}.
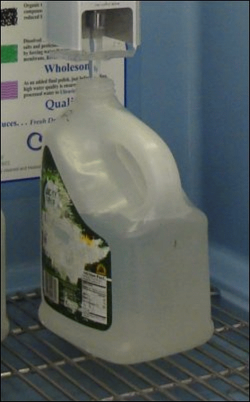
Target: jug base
{"points": [[116, 351], [4, 329]]}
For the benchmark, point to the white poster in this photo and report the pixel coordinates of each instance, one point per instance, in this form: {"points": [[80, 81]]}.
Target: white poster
{"points": [[34, 88]]}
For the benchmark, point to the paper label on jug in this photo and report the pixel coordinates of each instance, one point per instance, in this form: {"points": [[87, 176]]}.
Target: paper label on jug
{"points": [[76, 261]]}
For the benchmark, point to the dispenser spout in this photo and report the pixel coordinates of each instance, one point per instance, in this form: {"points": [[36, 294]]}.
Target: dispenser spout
{"points": [[95, 19]]}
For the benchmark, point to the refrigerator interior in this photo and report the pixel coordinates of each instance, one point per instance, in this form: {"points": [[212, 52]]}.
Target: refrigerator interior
{"points": [[189, 81]]}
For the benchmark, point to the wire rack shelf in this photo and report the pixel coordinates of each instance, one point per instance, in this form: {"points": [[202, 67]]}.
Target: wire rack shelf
{"points": [[36, 365]]}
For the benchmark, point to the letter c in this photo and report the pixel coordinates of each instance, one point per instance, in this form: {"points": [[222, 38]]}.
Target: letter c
{"points": [[33, 141]]}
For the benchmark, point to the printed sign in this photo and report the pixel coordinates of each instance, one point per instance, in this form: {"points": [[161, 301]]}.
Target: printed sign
{"points": [[35, 89]]}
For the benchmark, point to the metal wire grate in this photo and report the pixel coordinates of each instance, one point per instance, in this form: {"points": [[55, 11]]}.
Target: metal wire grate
{"points": [[36, 365]]}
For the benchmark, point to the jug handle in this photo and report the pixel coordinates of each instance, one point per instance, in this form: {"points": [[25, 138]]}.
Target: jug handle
{"points": [[157, 166]]}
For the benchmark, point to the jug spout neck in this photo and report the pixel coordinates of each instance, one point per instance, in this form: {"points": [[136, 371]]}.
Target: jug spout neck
{"points": [[95, 89]]}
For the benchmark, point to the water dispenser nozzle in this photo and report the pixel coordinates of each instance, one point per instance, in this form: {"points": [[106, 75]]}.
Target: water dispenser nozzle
{"points": [[95, 19]]}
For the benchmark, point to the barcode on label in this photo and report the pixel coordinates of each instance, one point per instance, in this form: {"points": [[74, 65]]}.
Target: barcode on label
{"points": [[51, 288]]}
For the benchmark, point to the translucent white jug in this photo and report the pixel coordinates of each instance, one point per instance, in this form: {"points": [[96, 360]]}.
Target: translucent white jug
{"points": [[4, 320], [125, 254]]}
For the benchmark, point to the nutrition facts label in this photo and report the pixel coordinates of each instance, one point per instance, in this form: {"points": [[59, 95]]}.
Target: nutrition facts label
{"points": [[94, 297]]}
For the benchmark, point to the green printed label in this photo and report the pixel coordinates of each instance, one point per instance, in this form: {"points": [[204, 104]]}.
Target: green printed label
{"points": [[9, 54], [76, 261]]}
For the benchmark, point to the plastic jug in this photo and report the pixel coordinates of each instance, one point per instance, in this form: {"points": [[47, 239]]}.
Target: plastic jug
{"points": [[4, 319], [125, 254]]}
